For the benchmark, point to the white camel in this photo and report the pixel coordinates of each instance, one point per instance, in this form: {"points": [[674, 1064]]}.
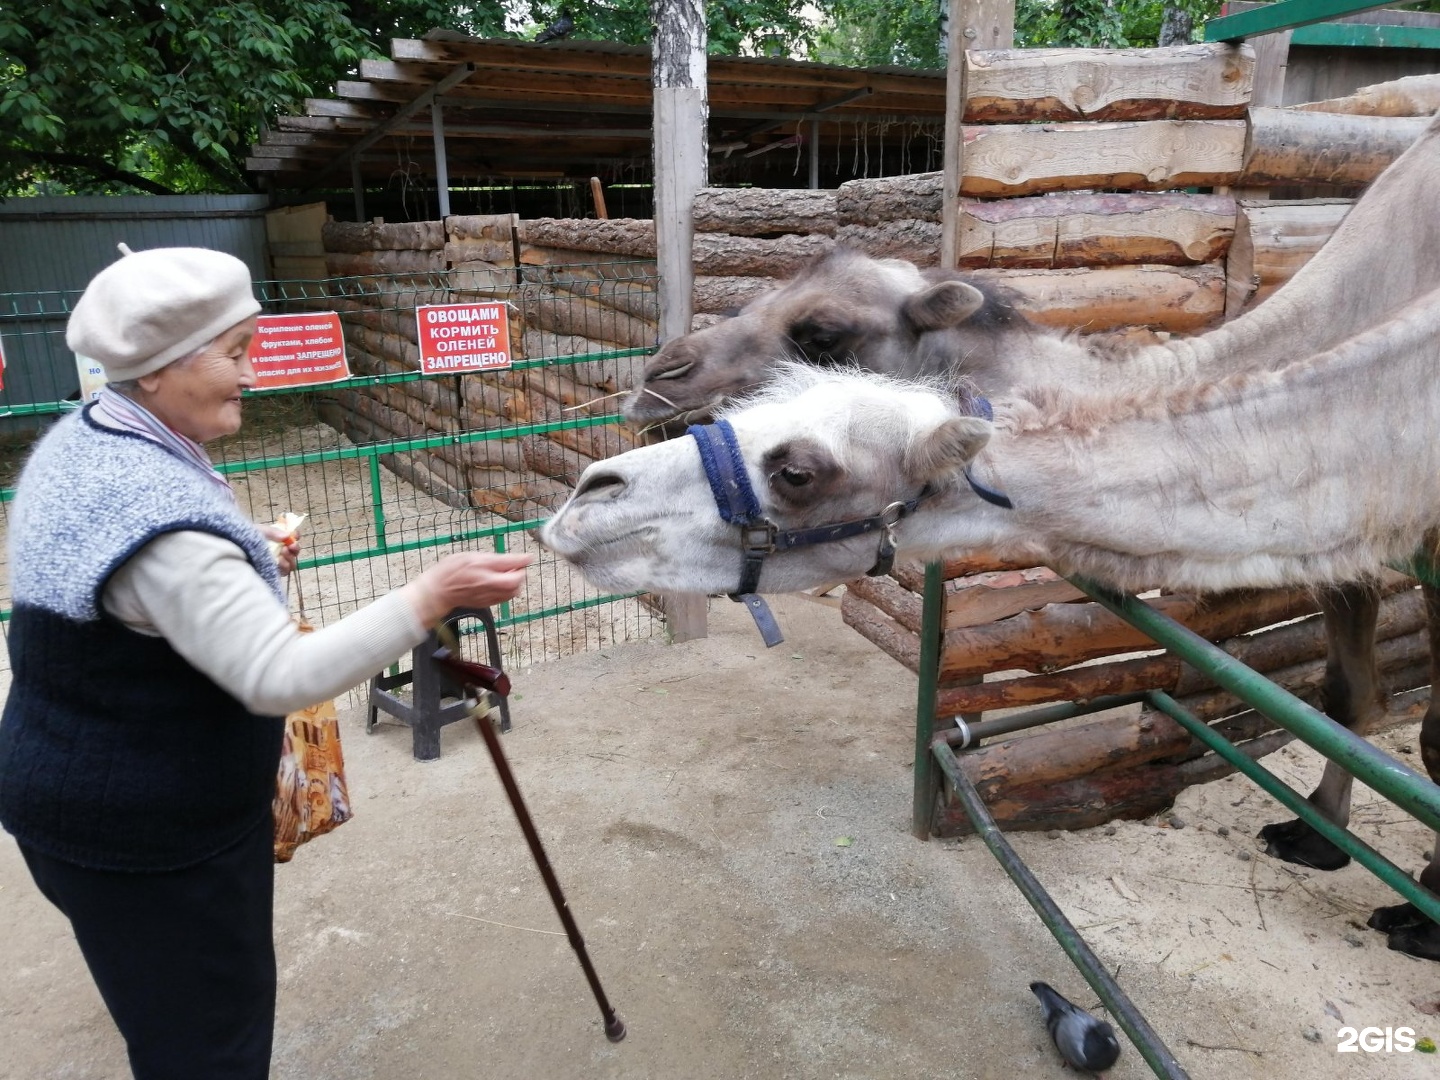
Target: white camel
{"points": [[891, 317], [1316, 473], [888, 316]]}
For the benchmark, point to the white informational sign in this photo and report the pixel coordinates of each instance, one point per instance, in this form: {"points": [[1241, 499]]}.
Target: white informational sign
{"points": [[92, 378]]}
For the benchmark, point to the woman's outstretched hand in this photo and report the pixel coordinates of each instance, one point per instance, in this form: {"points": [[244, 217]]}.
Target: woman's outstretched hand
{"points": [[286, 546], [466, 579]]}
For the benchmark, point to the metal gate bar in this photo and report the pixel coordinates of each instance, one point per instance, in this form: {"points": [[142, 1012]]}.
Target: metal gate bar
{"points": [[1391, 779], [1407, 789], [1152, 1048], [1292, 800]]}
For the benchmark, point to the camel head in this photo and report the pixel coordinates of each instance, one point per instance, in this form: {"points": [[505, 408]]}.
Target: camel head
{"points": [[818, 447], [845, 308]]}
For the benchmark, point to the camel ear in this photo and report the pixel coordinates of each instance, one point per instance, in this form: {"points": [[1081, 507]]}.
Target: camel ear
{"points": [[943, 306], [946, 451]]}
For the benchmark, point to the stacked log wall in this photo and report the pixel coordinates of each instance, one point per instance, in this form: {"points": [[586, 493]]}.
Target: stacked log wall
{"points": [[563, 299], [1018, 636]]}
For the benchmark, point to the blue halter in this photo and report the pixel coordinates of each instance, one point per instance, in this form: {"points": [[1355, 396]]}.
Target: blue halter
{"points": [[759, 537]]}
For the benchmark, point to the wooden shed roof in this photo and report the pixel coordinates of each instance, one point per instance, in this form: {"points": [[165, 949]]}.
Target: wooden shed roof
{"points": [[565, 108]]}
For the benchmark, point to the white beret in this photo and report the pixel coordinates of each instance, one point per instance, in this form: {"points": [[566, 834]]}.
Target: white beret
{"points": [[152, 307]]}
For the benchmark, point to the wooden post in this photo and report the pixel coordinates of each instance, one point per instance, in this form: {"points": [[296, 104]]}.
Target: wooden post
{"points": [[597, 193], [1272, 56], [442, 165], [814, 154], [681, 142], [972, 24], [358, 184]]}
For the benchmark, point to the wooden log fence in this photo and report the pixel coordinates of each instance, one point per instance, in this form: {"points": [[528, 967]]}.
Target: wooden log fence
{"points": [[556, 308], [1020, 636]]}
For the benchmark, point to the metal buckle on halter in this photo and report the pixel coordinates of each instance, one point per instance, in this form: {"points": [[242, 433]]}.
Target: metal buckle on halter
{"points": [[891, 515], [758, 539], [885, 556]]}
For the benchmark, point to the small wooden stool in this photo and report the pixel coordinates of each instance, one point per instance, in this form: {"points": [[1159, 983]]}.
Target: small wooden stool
{"points": [[426, 713]]}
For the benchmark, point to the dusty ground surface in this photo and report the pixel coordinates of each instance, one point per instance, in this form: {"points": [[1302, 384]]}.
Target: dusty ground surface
{"points": [[731, 827]]}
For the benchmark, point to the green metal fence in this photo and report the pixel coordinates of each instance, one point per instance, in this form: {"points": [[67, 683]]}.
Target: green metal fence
{"points": [[936, 755], [396, 469]]}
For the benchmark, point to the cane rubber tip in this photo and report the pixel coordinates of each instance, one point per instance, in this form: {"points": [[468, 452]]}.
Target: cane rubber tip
{"points": [[615, 1029]]}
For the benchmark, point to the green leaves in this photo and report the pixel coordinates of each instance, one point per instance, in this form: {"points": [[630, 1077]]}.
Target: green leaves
{"points": [[176, 89]]}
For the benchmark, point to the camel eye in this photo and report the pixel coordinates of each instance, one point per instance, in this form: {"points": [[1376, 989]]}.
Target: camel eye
{"points": [[795, 477], [824, 340]]}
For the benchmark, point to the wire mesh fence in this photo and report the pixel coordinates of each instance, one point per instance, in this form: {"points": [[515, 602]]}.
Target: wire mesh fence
{"points": [[396, 469]]}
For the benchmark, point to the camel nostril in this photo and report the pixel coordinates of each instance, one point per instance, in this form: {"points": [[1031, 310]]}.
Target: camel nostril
{"points": [[599, 484]]}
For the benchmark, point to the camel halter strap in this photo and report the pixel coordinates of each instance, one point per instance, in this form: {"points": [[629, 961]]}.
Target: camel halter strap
{"points": [[759, 537], [995, 498]]}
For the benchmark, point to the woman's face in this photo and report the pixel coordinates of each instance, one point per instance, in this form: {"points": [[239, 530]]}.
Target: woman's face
{"points": [[200, 397]]}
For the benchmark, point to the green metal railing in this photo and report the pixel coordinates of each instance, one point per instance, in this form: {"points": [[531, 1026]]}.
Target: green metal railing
{"points": [[935, 755], [394, 522], [1309, 21]]}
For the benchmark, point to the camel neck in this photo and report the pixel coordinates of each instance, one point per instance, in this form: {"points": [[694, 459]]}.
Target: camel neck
{"points": [[1321, 470]]}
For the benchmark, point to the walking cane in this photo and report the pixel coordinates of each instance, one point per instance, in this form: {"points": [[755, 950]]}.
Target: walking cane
{"points": [[474, 678]]}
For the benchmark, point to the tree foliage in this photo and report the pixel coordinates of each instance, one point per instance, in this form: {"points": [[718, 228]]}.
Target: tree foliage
{"points": [[734, 27], [869, 33], [166, 95], [872, 32]]}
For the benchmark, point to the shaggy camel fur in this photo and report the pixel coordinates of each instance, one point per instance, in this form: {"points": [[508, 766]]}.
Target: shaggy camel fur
{"points": [[1251, 481], [888, 316]]}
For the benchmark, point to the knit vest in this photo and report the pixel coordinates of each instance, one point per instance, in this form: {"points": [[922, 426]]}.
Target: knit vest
{"points": [[115, 753]]}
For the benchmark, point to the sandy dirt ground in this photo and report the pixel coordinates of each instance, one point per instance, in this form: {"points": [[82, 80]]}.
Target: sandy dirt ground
{"points": [[731, 826]]}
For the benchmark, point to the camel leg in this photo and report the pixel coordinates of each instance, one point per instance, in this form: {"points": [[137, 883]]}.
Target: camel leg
{"points": [[1351, 696], [1409, 930]]}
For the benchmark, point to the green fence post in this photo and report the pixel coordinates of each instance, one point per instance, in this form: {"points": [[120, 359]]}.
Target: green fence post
{"points": [[926, 772]]}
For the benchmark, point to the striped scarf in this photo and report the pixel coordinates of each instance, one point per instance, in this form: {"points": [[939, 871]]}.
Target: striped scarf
{"points": [[115, 410]]}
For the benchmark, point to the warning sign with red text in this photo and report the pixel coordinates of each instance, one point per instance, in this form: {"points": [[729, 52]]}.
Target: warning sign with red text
{"points": [[463, 337], [298, 350]]}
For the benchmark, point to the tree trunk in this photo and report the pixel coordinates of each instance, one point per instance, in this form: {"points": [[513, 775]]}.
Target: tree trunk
{"points": [[722, 295], [361, 238], [385, 262], [1176, 26], [765, 211], [1181, 82], [722, 254], [1273, 239], [634, 237], [1414, 95], [1065, 634], [1179, 299]]}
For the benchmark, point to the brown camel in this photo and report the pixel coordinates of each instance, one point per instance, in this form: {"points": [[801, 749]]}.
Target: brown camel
{"points": [[886, 315]]}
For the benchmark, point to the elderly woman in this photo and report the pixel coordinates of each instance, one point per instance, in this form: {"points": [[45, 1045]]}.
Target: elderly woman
{"points": [[153, 660]]}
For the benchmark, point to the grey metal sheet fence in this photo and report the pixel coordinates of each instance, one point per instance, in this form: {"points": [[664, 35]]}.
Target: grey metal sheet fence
{"points": [[51, 247], [396, 469]]}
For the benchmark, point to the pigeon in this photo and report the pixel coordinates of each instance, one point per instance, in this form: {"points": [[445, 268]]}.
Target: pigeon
{"points": [[558, 29], [1083, 1041]]}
